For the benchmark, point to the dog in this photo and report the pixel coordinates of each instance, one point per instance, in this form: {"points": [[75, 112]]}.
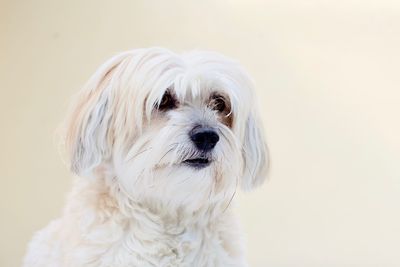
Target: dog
{"points": [[160, 142]]}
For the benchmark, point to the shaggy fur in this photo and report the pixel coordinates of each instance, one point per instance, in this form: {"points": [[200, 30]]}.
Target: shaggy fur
{"points": [[139, 201]]}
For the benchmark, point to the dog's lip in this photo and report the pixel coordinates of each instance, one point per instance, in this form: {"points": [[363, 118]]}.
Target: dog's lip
{"points": [[199, 162]]}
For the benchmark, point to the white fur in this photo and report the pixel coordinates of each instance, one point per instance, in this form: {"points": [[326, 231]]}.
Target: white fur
{"points": [[136, 203]]}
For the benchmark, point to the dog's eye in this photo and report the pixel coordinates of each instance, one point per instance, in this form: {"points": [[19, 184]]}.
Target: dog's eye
{"points": [[167, 102], [218, 103]]}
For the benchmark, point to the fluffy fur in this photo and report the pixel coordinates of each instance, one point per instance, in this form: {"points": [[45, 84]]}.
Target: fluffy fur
{"points": [[136, 202]]}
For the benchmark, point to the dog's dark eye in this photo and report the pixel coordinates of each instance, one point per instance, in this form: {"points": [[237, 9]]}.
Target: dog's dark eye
{"points": [[167, 102], [218, 103]]}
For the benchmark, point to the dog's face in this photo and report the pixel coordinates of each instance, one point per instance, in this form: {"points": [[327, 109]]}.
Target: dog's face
{"points": [[178, 129]]}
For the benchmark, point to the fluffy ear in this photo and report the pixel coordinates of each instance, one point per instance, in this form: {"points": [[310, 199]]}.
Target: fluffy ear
{"points": [[255, 153], [88, 139]]}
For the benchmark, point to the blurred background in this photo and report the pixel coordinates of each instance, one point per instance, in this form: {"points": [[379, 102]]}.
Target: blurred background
{"points": [[327, 75]]}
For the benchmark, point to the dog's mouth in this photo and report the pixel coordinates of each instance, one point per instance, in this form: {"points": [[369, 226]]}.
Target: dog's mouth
{"points": [[200, 162]]}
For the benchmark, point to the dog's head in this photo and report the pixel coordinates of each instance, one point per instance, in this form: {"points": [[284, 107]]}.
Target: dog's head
{"points": [[182, 129]]}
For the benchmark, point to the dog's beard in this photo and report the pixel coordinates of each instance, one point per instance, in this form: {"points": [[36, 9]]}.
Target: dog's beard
{"points": [[164, 166]]}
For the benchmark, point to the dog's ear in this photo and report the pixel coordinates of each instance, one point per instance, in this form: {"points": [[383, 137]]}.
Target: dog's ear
{"points": [[88, 137], [255, 153]]}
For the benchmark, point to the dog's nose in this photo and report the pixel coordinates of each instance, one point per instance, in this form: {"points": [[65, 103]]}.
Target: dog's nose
{"points": [[204, 138]]}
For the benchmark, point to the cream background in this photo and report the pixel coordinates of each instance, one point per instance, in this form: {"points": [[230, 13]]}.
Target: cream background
{"points": [[328, 80]]}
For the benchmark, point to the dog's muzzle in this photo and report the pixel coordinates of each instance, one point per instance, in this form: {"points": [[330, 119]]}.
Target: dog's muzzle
{"points": [[204, 139]]}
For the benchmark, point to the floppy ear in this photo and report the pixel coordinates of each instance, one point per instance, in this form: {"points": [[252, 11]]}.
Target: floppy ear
{"points": [[255, 153], [88, 139]]}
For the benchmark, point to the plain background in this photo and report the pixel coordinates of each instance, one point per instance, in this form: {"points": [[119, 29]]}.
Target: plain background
{"points": [[328, 81]]}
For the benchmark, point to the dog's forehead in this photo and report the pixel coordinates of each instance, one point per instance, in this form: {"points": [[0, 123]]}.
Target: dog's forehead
{"points": [[199, 95], [197, 74]]}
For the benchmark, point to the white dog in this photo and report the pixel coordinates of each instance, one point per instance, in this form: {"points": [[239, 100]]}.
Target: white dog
{"points": [[161, 142]]}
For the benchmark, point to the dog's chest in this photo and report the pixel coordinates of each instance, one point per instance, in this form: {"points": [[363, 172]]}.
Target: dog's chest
{"points": [[116, 245], [192, 248]]}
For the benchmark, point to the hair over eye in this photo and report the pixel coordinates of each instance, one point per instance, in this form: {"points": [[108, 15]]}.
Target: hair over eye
{"points": [[218, 103], [168, 102]]}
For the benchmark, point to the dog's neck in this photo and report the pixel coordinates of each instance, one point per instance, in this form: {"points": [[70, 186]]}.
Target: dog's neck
{"points": [[107, 202]]}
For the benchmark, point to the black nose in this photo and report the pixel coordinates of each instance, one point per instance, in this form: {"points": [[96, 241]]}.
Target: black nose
{"points": [[204, 138]]}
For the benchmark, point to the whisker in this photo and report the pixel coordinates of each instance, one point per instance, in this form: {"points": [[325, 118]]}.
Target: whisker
{"points": [[172, 148], [233, 195], [137, 154]]}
